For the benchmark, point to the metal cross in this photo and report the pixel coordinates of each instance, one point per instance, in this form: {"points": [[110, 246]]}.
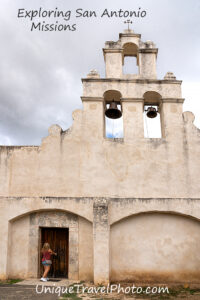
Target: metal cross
{"points": [[128, 22]]}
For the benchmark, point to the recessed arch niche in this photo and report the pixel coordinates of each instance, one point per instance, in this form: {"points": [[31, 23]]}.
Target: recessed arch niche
{"points": [[155, 247], [24, 243]]}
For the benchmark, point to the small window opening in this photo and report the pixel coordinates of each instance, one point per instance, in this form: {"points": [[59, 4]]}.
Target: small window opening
{"points": [[130, 65], [130, 58], [152, 124], [114, 127]]}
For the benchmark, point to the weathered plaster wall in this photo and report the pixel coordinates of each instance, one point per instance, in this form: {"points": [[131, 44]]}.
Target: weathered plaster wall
{"points": [[134, 88], [85, 250], [106, 214], [23, 258], [121, 208], [18, 252], [113, 64], [155, 247], [77, 164], [148, 65], [14, 209]]}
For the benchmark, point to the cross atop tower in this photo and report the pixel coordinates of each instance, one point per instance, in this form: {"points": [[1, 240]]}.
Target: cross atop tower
{"points": [[128, 22]]}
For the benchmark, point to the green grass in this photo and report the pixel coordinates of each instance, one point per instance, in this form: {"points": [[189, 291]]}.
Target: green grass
{"points": [[10, 281], [194, 291], [73, 295]]}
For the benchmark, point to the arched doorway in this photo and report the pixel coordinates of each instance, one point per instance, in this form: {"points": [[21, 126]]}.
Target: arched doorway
{"points": [[68, 234]]}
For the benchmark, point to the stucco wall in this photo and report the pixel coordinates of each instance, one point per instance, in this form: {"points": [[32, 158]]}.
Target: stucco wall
{"points": [[115, 216], [77, 164], [18, 256], [155, 247], [24, 239], [85, 250]]}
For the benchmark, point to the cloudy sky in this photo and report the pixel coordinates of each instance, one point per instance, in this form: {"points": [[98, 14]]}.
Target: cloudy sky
{"points": [[40, 72]]}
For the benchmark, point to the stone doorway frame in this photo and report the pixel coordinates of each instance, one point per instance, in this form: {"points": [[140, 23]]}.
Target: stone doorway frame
{"points": [[56, 219]]}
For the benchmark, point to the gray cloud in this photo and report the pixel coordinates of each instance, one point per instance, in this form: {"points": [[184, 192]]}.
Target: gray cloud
{"points": [[40, 72]]}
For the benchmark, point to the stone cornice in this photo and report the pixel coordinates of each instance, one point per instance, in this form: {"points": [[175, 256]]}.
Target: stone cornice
{"points": [[136, 80], [148, 50], [132, 99], [163, 100], [84, 98], [172, 100], [112, 50], [130, 35], [89, 198], [14, 147]]}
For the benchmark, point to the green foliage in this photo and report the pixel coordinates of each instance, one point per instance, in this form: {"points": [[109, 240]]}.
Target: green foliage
{"points": [[10, 281], [73, 296]]}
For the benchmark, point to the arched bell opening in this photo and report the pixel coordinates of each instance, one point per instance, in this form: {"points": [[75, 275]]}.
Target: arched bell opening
{"points": [[152, 112], [130, 59], [113, 118]]}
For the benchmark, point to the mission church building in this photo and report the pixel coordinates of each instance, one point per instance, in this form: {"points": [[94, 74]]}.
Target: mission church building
{"points": [[115, 209]]}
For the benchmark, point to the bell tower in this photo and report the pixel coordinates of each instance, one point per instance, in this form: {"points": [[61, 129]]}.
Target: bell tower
{"points": [[130, 44], [132, 95], [139, 164]]}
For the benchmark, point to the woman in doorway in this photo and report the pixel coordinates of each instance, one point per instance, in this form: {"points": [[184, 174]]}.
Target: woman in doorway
{"points": [[46, 260]]}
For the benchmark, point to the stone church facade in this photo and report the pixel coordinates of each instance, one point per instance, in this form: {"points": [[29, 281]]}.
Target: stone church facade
{"points": [[123, 209]]}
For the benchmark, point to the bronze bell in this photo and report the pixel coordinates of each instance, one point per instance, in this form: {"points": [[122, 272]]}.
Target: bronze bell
{"points": [[151, 112], [113, 112]]}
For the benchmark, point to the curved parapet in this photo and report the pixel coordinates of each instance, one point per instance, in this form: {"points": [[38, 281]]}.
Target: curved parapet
{"points": [[54, 130], [188, 117]]}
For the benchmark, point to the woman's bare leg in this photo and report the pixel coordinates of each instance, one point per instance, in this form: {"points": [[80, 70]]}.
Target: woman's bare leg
{"points": [[46, 271]]}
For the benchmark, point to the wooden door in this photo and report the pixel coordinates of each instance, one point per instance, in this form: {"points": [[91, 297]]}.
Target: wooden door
{"points": [[58, 238]]}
